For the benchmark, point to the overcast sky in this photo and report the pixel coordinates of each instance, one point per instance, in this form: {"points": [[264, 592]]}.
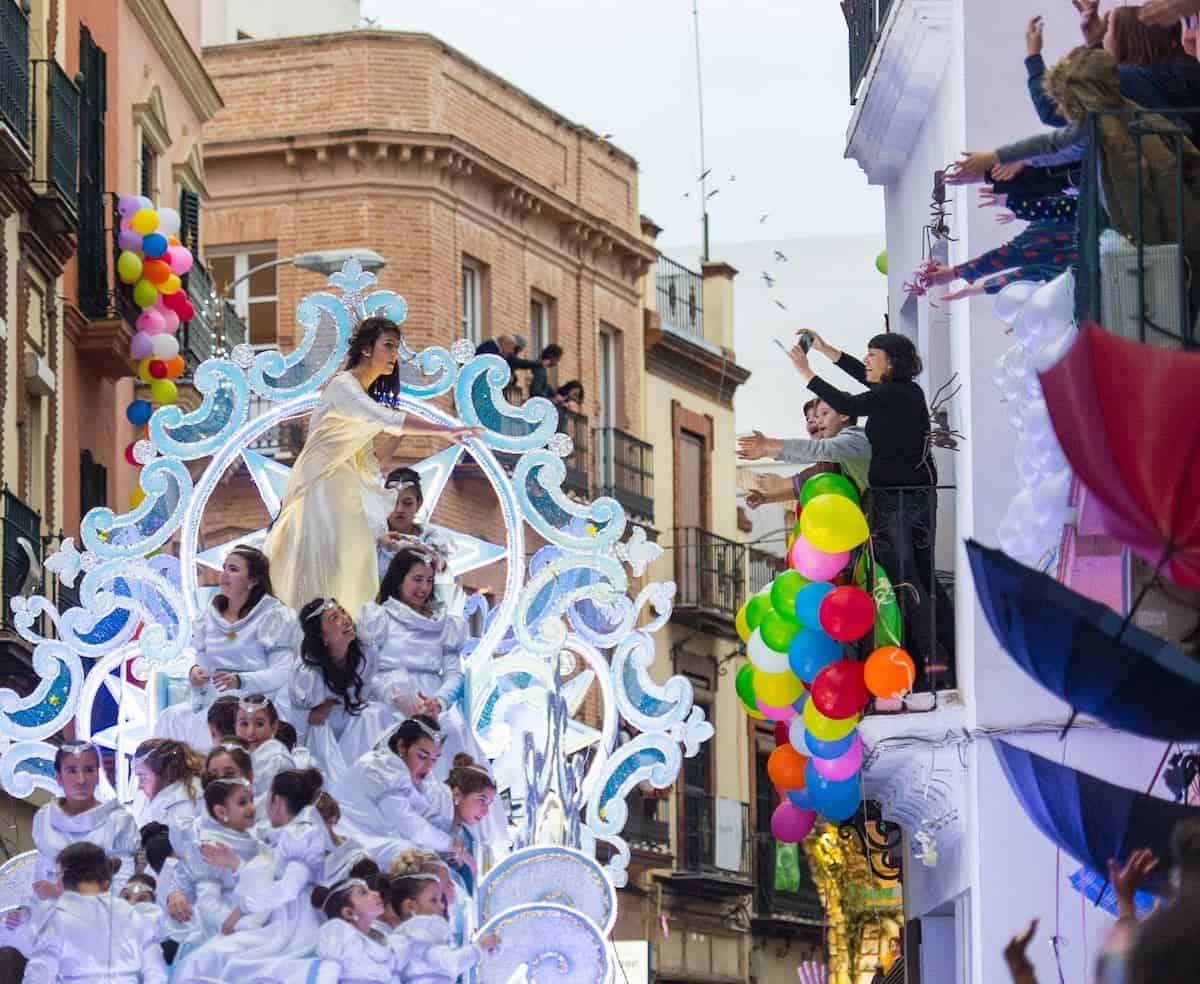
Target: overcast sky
{"points": [[775, 91]]}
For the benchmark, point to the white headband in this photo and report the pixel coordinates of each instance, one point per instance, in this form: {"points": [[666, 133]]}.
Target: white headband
{"points": [[341, 887]]}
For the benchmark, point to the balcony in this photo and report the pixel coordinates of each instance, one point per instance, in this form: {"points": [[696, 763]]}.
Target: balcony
{"points": [[648, 827], [714, 846], [864, 18], [625, 468], [710, 577], [14, 88], [579, 461], [1135, 281], [56, 143], [22, 547], [281, 442], [216, 328], [680, 298], [778, 910], [764, 568]]}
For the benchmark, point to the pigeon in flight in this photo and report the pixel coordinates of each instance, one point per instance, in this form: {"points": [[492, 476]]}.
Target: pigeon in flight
{"points": [[779, 257], [768, 279]]}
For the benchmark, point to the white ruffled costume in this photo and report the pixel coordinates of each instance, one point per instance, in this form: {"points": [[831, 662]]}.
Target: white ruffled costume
{"points": [[430, 953], [361, 958], [108, 825], [268, 760], [258, 647], [279, 883], [95, 939]]}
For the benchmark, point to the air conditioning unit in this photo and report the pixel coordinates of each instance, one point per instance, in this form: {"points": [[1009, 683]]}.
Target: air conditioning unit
{"points": [[1159, 321]]}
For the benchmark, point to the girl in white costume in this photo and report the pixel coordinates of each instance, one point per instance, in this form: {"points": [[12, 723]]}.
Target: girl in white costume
{"points": [[350, 938], [168, 777], [278, 882], [348, 859], [423, 939], [390, 800], [257, 722], [79, 816], [321, 544], [332, 689], [88, 934], [244, 643]]}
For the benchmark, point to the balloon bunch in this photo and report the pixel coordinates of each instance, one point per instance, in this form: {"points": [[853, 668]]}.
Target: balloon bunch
{"points": [[152, 261], [798, 675]]}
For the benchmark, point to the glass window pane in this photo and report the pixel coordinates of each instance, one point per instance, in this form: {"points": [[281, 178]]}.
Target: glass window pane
{"points": [[262, 284], [220, 268], [263, 328]]}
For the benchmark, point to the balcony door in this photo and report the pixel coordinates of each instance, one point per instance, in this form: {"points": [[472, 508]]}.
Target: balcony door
{"points": [[607, 410], [690, 561], [698, 832]]}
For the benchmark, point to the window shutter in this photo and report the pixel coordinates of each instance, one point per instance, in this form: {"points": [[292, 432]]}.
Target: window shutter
{"points": [[189, 226]]}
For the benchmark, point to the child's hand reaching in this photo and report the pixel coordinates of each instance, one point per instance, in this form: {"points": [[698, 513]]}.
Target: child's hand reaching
{"points": [[490, 942]]}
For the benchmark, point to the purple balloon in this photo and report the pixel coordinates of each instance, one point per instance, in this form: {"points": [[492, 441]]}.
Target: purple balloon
{"points": [[130, 240], [141, 346], [842, 767], [791, 824], [127, 205]]}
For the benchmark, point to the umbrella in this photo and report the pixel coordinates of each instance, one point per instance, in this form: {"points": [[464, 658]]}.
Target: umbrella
{"points": [[1125, 416], [1092, 820], [1083, 652]]}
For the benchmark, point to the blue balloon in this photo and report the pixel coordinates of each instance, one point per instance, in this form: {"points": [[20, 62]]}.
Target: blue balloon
{"points": [[810, 652], [828, 749], [833, 800], [808, 602], [801, 798], [154, 245], [138, 412]]}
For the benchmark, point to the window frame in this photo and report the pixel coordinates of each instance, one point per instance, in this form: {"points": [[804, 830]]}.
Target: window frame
{"points": [[242, 299], [471, 298]]}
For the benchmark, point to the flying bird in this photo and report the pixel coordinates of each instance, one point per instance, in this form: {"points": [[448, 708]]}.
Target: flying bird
{"points": [[763, 218], [705, 175], [733, 177], [779, 304], [711, 193], [687, 194], [768, 279], [779, 257]]}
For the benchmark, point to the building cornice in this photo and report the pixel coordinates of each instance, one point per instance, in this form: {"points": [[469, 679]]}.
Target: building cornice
{"points": [[184, 64], [899, 87], [710, 372]]}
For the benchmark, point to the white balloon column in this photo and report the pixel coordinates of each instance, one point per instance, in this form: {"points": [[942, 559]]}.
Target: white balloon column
{"points": [[1043, 323]]}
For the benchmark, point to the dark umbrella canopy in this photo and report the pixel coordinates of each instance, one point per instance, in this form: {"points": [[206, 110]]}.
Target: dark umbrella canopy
{"points": [[1076, 649], [1092, 820], [1126, 417]]}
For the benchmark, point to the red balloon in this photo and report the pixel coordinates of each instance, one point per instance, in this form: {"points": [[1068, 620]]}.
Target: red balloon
{"points": [[131, 459], [781, 733], [839, 690], [172, 301], [847, 613], [185, 310], [158, 369]]}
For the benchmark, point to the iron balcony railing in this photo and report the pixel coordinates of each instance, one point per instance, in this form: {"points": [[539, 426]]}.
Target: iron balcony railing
{"points": [[703, 846], [578, 462], [281, 441], [1140, 277], [14, 71], [648, 826], [680, 298], [710, 572], [770, 900], [23, 552], [216, 328], [63, 144], [864, 18], [764, 568], [625, 468]]}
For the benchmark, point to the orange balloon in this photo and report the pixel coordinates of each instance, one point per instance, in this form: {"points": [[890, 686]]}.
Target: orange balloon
{"points": [[156, 271], [785, 768], [889, 672], [175, 367], [172, 240]]}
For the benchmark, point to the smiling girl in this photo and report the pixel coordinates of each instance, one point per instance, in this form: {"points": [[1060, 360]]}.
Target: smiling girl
{"points": [[257, 724], [423, 939]]}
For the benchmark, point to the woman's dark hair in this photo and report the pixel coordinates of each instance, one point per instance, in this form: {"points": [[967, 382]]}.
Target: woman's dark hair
{"points": [[1141, 44], [170, 761], [414, 729], [346, 680], [405, 560], [287, 735], [405, 476], [85, 862], [222, 714], [331, 901], [297, 787], [236, 749], [571, 384], [217, 792], [361, 346], [367, 870], [901, 353], [468, 776], [810, 404], [551, 351], [258, 570], [141, 878], [71, 749]]}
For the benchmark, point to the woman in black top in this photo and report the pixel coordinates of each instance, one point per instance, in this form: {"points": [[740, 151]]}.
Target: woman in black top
{"points": [[902, 498]]}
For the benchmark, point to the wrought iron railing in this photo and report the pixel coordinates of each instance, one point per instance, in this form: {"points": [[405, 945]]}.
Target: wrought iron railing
{"points": [[864, 18], [764, 567], [281, 441], [680, 298], [625, 468], [14, 70], [22, 550], [216, 327], [710, 572], [648, 825], [63, 143], [771, 898], [579, 461], [702, 847], [1142, 281]]}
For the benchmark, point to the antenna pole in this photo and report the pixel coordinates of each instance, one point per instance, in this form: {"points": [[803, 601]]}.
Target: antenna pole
{"points": [[700, 106]]}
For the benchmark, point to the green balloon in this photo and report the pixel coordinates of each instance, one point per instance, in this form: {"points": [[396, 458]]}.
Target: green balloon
{"points": [[777, 632], [881, 263], [783, 593], [743, 683], [829, 484], [756, 608], [889, 620]]}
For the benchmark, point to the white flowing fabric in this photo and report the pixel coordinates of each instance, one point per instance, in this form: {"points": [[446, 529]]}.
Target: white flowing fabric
{"points": [[268, 760], [361, 958], [108, 825], [209, 888], [97, 939], [432, 956]]}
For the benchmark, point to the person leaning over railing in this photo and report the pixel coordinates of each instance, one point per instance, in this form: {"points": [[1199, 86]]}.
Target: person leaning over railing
{"points": [[902, 497]]}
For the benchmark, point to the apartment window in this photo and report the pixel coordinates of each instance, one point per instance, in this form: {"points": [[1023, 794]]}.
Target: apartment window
{"points": [[189, 220], [93, 483], [255, 294], [149, 169], [472, 300], [541, 331], [607, 406]]}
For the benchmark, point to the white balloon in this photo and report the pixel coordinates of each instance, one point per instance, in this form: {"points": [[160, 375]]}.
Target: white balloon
{"points": [[168, 222], [1061, 298], [1012, 299], [796, 734], [1050, 353], [164, 346], [763, 656]]}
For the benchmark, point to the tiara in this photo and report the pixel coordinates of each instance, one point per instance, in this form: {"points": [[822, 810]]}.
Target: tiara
{"points": [[77, 747], [230, 747], [419, 876], [400, 486], [475, 768], [231, 780], [254, 702], [341, 887], [326, 605], [434, 736]]}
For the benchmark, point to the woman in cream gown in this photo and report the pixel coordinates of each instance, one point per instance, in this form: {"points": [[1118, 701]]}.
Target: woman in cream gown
{"points": [[321, 545]]}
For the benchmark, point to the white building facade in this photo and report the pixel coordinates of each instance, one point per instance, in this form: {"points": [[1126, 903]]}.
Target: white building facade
{"points": [[945, 76]]}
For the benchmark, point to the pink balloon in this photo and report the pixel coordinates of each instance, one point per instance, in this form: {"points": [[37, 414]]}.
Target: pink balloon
{"points": [[814, 564], [141, 345], [179, 259], [842, 767], [172, 321], [151, 322], [775, 713], [791, 824], [130, 240]]}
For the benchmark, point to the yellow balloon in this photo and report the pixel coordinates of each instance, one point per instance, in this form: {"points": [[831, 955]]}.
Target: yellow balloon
{"points": [[739, 623], [136, 497], [163, 391], [833, 523], [777, 689], [145, 294], [143, 370], [129, 267], [144, 221], [170, 285], [827, 729]]}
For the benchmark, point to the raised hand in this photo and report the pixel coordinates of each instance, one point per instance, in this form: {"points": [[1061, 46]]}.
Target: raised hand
{"points": [[220, 855], [1128, 878], [226, 681], [198, 676], [178, 907], [1091, 25], [755, 445], [1165, 12], [1006, 172], [1016, 958], [1033, 36], [490, 942]]}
